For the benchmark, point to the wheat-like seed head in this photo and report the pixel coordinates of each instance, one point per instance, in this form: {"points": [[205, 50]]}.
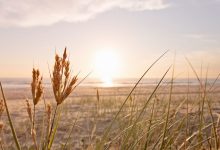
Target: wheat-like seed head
{"points": [[62, 83], [29, 111], [36, 86], [39, 91]]}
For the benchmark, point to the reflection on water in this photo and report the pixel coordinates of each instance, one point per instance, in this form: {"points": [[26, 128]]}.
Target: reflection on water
{"points": [[25, 82]]}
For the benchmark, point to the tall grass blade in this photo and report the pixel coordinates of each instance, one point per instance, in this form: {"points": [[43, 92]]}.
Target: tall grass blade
{"points": [[100, 144], [168, 109], [145, 105], [10, 121], [55, 127]]}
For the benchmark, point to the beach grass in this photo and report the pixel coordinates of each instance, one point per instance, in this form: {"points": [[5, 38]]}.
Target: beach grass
{"points": [[166, 117]]}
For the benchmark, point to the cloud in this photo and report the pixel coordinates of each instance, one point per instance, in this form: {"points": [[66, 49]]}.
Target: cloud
{"points": [[201, 37], [47, 12]]}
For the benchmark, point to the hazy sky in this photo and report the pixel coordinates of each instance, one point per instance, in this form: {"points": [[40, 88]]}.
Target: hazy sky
{"points": [[137, 31]]}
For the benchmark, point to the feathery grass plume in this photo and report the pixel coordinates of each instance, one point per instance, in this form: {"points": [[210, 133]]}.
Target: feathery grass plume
{"points": [[36, 86], [63, 84], [37, 92]]}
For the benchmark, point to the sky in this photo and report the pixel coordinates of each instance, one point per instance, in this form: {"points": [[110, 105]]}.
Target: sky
{"points": [[136, 32]]}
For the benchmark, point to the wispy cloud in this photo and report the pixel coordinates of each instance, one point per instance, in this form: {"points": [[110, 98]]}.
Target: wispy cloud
{"points": [[46, 12], [201, 37]]}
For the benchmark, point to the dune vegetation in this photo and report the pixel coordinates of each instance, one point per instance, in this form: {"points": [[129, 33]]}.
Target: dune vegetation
{"points": [[166, 116]]}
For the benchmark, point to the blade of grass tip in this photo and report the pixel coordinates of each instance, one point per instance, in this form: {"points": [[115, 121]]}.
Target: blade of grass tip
{"points": [[213, 84], [55, 128], [201, 108], [145, 105], [9, 119], [191, 66], [82, 80], [169, 102], [99, 145]]}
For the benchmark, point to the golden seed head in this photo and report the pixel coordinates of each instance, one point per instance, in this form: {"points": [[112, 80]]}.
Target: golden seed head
{"points": [[64, 56], [39, 92], [29, 110], [36, 86], [62, 85]]}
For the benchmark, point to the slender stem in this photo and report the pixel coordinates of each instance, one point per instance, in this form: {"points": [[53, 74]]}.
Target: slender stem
{"points": [[54, 115], [169, 103], [33, 124], [10, 121], [33, 130]]}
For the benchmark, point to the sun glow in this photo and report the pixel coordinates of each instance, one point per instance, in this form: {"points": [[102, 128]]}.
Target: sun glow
{"points": [[106, 66]]}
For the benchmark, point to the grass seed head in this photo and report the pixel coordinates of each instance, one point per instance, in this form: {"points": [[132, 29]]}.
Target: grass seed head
{"points": [[62, 83], [29, 110], [36, 86]]}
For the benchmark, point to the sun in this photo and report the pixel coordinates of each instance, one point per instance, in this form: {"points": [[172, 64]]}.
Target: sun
{"points": [[106, 66]]}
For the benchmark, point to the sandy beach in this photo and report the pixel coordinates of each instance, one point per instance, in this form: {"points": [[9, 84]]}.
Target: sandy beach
{"points": [[89, 116]]}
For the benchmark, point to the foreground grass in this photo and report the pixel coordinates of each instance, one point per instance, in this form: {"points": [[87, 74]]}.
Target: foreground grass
{"points": [[160, 119]]}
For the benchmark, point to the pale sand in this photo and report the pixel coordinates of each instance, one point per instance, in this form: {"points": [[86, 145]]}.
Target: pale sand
{"points": [[83, 103]]}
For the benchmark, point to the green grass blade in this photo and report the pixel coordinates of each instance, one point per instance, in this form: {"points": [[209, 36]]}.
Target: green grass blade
{"points": [[55, 128], [145, 105], [10, 121], [100, 144]]}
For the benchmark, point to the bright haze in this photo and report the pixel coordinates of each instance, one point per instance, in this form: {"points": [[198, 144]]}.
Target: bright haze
{"points": [[111, 38]]}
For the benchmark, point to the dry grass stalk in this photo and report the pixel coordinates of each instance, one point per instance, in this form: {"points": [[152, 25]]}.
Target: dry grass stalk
{"points": [[34, 135], [29, 110], [63, 84], [36, 86], [37, 92]]}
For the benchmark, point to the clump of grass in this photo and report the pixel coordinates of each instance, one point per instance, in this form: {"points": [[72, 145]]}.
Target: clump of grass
{"points": [[63, 85], [157, 120]]}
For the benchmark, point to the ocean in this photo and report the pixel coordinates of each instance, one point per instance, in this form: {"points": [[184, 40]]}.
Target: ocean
{"points": [[126, 82]]}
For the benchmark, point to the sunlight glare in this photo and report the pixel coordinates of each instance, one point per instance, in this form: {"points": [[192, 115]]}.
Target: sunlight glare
{"points": [[106, 66]]}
